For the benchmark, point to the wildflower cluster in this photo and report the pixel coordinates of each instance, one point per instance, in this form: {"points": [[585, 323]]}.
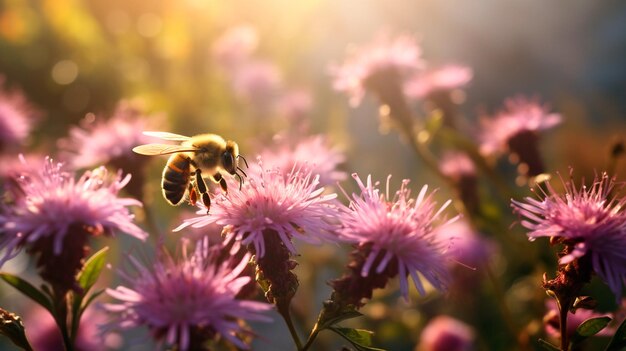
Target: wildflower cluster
{"points": [[54, 216], [590, 224], [434, 261]]}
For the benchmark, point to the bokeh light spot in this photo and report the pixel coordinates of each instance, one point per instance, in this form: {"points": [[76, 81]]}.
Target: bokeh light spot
{"points": [[65, 72]]}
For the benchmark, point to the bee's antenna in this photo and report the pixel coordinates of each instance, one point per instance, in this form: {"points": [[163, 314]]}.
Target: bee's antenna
{"points": [[244, 173], [244, 161], [240, 179]]}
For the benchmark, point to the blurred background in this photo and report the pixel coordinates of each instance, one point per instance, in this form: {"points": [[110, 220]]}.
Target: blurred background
{"points": [[72, 57]]}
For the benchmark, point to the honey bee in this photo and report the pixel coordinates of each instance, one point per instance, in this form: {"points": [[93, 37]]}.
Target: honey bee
{"points": [[203, 153]]}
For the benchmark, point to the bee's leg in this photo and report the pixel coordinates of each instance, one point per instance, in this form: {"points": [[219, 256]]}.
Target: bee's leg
{"points": [[193, 194], [202, 189], [219, 179]]}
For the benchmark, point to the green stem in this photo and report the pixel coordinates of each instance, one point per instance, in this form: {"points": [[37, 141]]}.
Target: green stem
{"points": [[283, 310], [60, 317], [564, 307], [311, 338]]}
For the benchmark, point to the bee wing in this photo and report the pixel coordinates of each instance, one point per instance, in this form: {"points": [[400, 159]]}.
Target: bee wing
{"points": [[161, 149], [167, 136]]}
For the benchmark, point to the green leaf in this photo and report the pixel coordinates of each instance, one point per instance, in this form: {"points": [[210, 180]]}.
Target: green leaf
{"points": [[88, 276], [618, 342], [342, 316], [359, 338], [548, 346], [28, 289], [590, 327]]}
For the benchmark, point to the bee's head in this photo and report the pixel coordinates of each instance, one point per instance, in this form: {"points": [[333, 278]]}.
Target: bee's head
{"points": [[229, 157]]}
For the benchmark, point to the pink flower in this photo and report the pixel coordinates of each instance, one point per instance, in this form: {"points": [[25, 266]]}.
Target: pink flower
{"points": [[235, 46], [15, 118], [457, 165], [520, 115], [516, 130], [445, 78], [445, 333], [398, 231], [467, 247], [54, 204], [398, 56], [186, 303], [590, 221], [101, 141], [312, 152], [293, 205]]}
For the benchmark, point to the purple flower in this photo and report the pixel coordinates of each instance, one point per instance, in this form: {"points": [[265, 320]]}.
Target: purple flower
{"points": [[57, 214], [15, 118], [101, 141], [399, 232], [186, 303], [445, 333], [518, 116], [516, 129], [398, 56], [456, 165], [313, 152], [466, 245], [292, 205], [445, 78], [590, 221]]}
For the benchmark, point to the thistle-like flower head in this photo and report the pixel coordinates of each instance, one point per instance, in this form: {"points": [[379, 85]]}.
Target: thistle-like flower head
{"points": [[312, 151], [397, 231], [293, 205], [15, 118], [456, 165], [445, 78], [400, 55], [97, 141], [519, 115], [53, 203], [589, 220], [187, 302]]}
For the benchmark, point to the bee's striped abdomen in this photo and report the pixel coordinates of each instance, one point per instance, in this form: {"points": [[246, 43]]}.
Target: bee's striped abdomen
{"points": [[176, 176]]}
